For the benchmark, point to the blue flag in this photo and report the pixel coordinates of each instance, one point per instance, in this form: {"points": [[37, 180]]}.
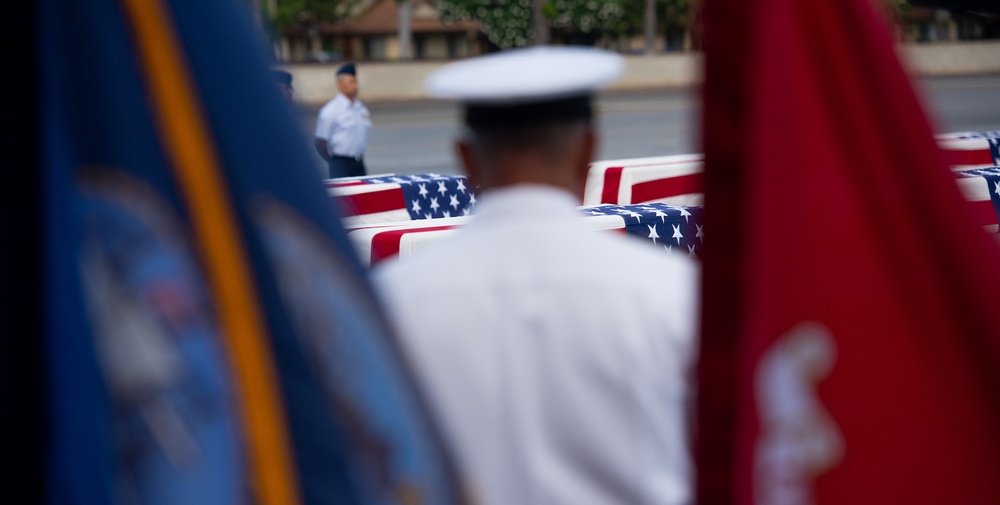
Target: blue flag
{"points": [[211, 337]]}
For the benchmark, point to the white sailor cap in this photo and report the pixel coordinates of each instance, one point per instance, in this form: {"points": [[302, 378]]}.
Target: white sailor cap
{"points": [[526, 86]]}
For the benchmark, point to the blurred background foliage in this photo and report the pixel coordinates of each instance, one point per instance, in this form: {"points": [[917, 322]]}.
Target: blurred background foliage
{"points": [[508, 23], [619, 25], [286, 14]]}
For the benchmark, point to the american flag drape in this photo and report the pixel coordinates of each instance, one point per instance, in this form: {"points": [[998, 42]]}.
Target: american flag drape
{"points": [[674, 179], [676, 229], [678, 179], [395, 198]]}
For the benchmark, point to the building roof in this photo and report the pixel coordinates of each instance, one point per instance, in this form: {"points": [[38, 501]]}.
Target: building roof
{"points": [[382, 18]]}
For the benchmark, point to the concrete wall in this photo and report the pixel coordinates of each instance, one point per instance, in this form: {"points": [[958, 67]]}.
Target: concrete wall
{"points": [[953, 58], [314, 83]]}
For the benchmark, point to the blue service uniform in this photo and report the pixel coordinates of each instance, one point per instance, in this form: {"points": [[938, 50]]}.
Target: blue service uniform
{"points": [[344, 124]]}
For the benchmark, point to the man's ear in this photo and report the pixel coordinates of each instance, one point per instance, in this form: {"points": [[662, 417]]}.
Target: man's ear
{"points": [[468, 158]]}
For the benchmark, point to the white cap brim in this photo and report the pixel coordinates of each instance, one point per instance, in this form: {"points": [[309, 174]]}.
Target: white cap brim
{"points": [[526, 75]]}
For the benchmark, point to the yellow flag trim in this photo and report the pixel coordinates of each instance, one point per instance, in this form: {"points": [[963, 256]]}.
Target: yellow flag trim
{"points": [[187, 142]]}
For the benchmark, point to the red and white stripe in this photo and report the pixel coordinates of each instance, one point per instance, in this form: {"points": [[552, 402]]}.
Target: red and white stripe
{"points": [[676, 180], [963, 154], [388, 240], [400, 240], [362, 203]]}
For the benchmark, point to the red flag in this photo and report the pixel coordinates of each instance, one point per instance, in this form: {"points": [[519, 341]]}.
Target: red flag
{"points": [[851, 352]]}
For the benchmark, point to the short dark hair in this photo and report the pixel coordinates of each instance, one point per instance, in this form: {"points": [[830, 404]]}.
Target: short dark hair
{"points": [[512, 116], [549, 139]]}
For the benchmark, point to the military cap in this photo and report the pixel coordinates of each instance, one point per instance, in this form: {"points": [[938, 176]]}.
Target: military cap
{"points": [[526, 86], [346, 68]]}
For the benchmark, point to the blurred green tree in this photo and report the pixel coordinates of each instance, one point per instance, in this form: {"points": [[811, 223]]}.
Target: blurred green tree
{"points": [[309, 13], [584, 21], [508, 23]]}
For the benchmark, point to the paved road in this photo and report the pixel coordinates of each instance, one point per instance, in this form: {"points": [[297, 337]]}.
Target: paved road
{"points": [[416, 137]]}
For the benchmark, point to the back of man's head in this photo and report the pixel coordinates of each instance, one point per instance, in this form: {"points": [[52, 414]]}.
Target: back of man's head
{"points": [[549, 142], [528, 113], [555, 153], [545, 126]]}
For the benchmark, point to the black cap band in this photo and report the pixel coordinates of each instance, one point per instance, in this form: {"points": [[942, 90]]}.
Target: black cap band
{"points": [[479, 116], [346, 68]]}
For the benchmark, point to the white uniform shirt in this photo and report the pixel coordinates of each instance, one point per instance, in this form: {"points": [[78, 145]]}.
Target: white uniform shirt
{"points": [[558, 358], [344, 125]]}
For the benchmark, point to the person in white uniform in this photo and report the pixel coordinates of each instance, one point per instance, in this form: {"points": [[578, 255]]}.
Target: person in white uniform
{"points": [[343, 126], [558, 358]]}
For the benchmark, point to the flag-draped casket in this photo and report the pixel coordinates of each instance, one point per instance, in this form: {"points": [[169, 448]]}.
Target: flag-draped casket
{"points": [[376, 238], [677, 179], [670, 179], [670, 228], [394, 198]]}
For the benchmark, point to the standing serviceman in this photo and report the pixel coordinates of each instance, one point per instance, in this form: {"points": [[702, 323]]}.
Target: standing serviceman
{"points": [[342, 127], [558, 357]]}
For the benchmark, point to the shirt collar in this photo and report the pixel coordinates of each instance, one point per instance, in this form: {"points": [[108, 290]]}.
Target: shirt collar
{"points": [[534, 200]]}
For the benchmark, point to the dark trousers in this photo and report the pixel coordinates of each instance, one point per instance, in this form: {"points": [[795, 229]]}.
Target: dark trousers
{"points": [[346, 166]]}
